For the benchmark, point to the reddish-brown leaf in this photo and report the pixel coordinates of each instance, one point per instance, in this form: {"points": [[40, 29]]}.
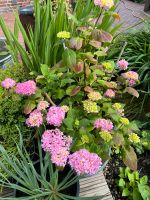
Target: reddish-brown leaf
{"points": [[132, 91], [130, 158], [75, 91]]}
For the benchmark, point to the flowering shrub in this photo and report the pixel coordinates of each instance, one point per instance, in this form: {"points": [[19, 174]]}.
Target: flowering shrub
{"points": [[82, 91]]}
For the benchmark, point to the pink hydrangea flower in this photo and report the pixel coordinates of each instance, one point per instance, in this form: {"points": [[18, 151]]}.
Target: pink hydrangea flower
{"points": [[131, 75], [122, 64], [104, 3], [42, 105], [131, 82], [84, 162], [55, 116], [26, 88], [109, 93], [103, 125], [58, 145], [8, 83], [35, 119]]}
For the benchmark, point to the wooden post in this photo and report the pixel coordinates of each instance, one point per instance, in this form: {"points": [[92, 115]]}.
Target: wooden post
{"points": [[147, 5]]}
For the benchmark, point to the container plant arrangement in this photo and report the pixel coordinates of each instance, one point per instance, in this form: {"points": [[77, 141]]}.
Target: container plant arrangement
{"points": [[71, 102]]}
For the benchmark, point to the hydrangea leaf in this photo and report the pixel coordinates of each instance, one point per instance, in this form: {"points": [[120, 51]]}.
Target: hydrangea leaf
{"points": [[130, 158], [29, 106], [132, 91]]}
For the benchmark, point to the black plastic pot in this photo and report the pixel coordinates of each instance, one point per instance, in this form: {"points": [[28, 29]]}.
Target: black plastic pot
{"points": [[27, 18]]}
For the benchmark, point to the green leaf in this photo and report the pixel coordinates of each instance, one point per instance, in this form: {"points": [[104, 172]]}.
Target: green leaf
{"points": [[131, 177], [45, 70], [136, 194], [125, 192], [144, 191], [121, 183], [29, 106], [69, 58], [144, 180]]}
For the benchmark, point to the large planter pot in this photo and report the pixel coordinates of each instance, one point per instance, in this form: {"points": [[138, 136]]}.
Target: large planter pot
{"points": [[5, 57], [27, 19]]}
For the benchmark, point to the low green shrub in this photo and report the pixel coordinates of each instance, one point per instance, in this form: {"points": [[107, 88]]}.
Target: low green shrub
{"points": [[132, 186], [11, 112]]}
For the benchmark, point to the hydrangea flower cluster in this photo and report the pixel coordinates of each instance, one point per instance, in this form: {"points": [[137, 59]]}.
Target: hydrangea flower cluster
{"points": [[42, 105], [26, 88], [8, 83], [65, 108], [133, 137], [84, 162], [55, 116], [124, 120], [63, 34], [103, 125], [130, 75], [104, 3], [94, 96], [109, 93], [106, 136], [119, 108], [35, 119], [122, 64], [90, 106], [131, 82], [58, 145]]}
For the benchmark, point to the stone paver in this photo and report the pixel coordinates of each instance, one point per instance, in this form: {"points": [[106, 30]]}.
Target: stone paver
{"points": [[131, 13]]}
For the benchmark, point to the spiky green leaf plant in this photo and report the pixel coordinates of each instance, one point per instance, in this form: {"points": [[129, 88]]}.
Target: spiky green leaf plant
{"points": [[42, 42]]}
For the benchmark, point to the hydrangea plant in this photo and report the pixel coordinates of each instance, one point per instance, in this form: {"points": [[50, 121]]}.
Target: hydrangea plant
{"points": [[82, 91]]}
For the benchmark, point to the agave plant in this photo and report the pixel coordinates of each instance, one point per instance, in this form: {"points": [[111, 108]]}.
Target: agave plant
{"points": [[41, 183], [42, 42]]}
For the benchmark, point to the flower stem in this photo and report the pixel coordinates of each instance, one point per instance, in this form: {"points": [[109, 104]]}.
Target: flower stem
{"points": [[49, 99], [99, 17]]}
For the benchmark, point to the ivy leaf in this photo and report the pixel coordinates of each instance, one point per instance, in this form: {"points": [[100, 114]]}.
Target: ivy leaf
{"points": [[132, 91], [130, 158]]}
